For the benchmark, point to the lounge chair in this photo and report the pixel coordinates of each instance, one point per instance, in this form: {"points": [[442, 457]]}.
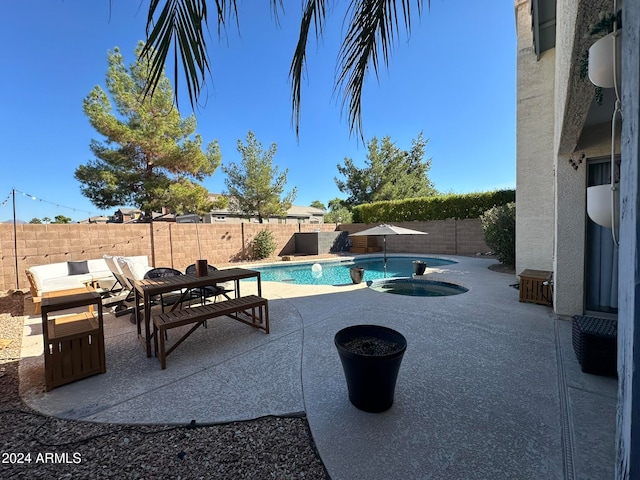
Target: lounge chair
{"points": [[131, 270], [122, 291]]}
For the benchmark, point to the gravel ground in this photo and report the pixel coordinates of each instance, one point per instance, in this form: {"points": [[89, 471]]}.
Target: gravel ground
{"points": [[35, 446]]}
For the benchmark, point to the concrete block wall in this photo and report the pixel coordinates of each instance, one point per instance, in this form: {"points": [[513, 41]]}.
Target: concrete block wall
{"points": [[176, 245], [445, 237], [315, 243], [166, 244], [44, 244]]}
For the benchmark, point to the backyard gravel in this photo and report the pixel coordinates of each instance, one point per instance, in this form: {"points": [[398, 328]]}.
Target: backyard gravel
{"points": [[34, 446]]}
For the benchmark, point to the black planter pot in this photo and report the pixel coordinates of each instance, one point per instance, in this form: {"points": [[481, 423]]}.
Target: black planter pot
{"points": [[371, 376], [419, 267], [357, 274]]}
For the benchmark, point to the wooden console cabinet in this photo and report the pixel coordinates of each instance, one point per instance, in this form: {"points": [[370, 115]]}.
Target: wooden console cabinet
{"points": [[73, 344]]}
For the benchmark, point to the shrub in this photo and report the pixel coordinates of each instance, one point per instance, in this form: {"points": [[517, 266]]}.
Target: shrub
{"points": [[263, 245], [437, 207], [499, 226]]}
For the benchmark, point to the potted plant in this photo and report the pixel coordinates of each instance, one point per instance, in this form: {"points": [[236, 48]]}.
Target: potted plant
{"points": [[602, 204], [357, 274], [597, 62], [602, 63], [419, 267], [371, 356]]}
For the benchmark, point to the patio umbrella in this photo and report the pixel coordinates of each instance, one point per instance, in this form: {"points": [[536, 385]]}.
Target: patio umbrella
{"points": [[385, 230]]}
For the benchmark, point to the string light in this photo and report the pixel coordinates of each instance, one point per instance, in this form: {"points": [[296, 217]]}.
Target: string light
{"points": [[58, 205]]}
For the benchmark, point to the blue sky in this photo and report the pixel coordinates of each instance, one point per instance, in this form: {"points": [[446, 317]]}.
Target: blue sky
{"points": [[453, 79]]}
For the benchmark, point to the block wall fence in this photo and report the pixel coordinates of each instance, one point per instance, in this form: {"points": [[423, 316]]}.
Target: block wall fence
{"points": [[178, 245]]}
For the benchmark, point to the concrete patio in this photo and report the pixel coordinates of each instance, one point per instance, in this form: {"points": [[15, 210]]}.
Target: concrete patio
{"points": [[489, 388]]}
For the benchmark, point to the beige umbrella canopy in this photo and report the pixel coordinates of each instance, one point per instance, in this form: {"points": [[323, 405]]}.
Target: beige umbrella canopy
{"points": [[385, 230]]}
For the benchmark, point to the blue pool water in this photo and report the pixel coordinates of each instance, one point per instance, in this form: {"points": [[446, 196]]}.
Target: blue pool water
{"points": [[417, 287], [337, 273]]}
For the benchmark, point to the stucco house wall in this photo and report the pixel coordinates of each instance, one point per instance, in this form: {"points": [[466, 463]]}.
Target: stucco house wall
{"points": [[554, 108], [534, 150]]}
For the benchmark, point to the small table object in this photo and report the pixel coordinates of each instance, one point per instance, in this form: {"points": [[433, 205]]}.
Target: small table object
{"points": [[535, 287], [73, 344]]}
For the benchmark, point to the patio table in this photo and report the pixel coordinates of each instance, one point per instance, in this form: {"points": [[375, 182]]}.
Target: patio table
{"points": [[147, 288]]}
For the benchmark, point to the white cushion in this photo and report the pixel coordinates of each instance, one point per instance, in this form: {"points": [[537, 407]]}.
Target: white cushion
{"points": [[112, 265], [97, 265], [132, 270], [53, 270], [66, 282], [139, 259]]}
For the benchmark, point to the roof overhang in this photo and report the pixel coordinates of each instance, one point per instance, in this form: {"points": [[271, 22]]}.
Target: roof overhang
{"points": [[543, 14]]}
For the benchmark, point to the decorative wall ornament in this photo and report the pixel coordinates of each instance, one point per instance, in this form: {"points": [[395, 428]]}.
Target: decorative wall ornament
{"points": [[575, 160]]}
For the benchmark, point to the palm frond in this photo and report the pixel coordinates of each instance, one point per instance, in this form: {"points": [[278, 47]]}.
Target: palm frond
{"points": [[179, 25], [314, 11], [373, 26]]}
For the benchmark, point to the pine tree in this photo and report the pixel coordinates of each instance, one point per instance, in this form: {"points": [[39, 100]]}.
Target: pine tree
{"points": [[151, 157], [255, 187]]}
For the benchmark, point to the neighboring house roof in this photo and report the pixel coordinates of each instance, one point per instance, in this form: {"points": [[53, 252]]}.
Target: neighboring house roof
{"points": [[296, 211], [128, 211], [302, 211], [96, 219], [163, 217]]}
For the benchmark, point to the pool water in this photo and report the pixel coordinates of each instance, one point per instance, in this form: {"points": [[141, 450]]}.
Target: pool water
{"points": [[417, 287], [337, 273]]}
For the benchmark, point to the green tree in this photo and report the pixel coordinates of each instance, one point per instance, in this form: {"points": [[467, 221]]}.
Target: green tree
{"points": [[339, 212], [36, 221], [151, 157], [255, 186], [318, 204], [46, 220], [371, 28], [390, 173], [62, 219]]}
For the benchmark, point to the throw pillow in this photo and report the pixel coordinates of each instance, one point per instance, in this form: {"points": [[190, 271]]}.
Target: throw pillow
{"points": [[77, 268]]}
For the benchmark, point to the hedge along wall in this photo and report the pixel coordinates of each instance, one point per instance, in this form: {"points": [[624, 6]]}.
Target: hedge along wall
{"points": [[166, 244], [441, 207]]}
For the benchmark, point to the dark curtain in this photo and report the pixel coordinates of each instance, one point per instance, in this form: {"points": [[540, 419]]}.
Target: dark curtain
{"points": [[601, 263]]}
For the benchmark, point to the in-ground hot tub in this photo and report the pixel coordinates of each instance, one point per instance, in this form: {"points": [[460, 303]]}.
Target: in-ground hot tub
{"points": [[416, 287]]}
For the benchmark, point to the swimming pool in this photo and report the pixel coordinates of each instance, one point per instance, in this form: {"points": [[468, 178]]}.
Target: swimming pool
{"points": [[337, 273]]}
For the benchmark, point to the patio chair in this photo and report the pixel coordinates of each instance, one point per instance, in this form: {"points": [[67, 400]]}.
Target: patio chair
{"points": [[124, 284], [171, 298], [131, 271], [122, 291], [209, 291]]}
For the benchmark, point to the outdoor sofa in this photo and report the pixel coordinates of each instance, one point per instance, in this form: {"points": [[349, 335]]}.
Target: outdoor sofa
{"points": [[61, 276]]}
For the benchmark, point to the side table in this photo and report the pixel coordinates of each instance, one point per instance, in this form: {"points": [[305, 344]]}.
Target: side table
{"points": [[536, 287], [73, 344], [595, 341]]}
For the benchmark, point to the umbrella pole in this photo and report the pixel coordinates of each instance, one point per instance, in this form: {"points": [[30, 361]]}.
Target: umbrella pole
{"points": [[384, 241]]}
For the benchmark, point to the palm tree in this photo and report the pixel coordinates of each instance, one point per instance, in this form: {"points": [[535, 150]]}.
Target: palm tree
{"points": [[177, 27]]}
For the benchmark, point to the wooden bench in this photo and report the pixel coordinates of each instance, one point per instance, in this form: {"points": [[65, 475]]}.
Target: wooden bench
{"points": [[254, 311]]}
